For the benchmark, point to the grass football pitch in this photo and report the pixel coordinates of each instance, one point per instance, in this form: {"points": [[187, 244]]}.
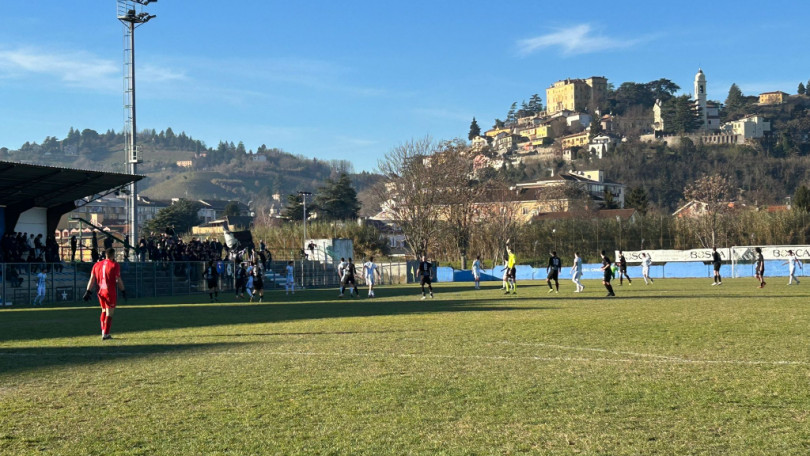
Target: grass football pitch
{"points": [[678, 367]]}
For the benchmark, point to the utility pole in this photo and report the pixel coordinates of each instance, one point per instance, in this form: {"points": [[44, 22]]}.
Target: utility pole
{"points": [[304, 243]]}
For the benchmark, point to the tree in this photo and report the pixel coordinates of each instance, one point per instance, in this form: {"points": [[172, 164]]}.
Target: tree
{"points": [[337, 200], [294, 209], [801, 199], [801, 90], [662, 89], [637, 199], [411, 190], [459, 194], [735, 103], [680, 115], [510, 116], [232, 209], [535, 104], [712, 193], [180, 216], [475, 130]]}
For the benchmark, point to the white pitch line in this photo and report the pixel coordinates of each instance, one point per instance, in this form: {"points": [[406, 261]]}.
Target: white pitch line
{"points": [[433, 356]]}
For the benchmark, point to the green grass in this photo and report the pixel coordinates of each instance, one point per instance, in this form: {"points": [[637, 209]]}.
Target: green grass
{"points": [[679, 367]]}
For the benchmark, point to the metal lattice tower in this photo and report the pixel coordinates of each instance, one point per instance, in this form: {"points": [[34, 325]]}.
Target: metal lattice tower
{"points": [[131, 15]]}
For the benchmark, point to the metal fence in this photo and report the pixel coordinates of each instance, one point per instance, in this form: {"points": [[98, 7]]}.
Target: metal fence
{"points": [[66, 282]]}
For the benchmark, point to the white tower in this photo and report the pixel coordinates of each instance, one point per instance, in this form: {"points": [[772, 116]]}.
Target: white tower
{"points": [[700, 98]]}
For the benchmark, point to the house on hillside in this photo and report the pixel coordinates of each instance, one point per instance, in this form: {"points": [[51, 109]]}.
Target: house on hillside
{"points": [[592, 182], [772, 98]]}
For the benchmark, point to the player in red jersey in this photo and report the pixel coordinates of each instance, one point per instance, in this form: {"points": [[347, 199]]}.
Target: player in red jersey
{"points": [[106, 275]]}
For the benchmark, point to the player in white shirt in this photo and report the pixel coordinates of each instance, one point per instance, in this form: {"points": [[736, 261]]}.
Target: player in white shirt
{"points": [[792, 261], [289, 286], [249, 283], [476, 272], [369, 269], [505, 275], [40, 298], [646, 262], [340, 270], [576, 273]]}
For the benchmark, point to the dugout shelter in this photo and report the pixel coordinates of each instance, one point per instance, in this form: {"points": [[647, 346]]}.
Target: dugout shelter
{"points": [[34, 197]]}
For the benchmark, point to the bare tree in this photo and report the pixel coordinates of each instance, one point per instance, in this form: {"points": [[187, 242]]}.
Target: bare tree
{"points": [[458, 194], [712, 193], [497, 220], [409, 191]]}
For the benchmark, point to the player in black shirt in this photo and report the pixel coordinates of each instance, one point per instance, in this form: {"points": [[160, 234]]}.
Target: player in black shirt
{"points": [[211, 275], [623, 269], [258, 281], [760, 267], [717, 261], [424, 270], [553, 271], [608, 274], [348, 278]]}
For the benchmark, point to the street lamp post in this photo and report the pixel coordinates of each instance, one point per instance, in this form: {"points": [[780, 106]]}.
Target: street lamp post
{"points": [[304, 243], [619, 221]]}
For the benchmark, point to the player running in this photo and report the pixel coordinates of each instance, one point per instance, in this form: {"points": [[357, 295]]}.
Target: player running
{"points": [[576, 273], [553, 271], [424, 271], [760, 267], [106, 275], [792, 261], [717, 261], [623, 269], [289, 285], [258, 282], [348, 278], [646, 262], [369, 269], [608, 274], [211, 275], [476, 272], [40, 297]]}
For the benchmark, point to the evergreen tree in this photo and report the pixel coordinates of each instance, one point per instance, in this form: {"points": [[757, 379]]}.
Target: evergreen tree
{"points": [[180, 216], [475, 130], [294, 210], [510, 116], [637, 199], [680, 115], [801, 199], [535, 104], [801, 90], [735, 102], [337, 200]]}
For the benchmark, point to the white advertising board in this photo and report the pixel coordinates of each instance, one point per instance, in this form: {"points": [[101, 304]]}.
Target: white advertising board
{"points": [[664, 256]]}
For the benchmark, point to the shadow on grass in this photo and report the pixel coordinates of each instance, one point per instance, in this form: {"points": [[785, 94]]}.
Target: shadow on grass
{"points": [[46, 323], [13, 360]]}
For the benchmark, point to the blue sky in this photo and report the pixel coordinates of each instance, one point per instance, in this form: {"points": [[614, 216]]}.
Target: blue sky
{"points": [[351, 80]]}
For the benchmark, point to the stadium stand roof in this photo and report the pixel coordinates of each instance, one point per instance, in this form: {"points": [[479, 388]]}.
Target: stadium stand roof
{"points": [[48, 186]]}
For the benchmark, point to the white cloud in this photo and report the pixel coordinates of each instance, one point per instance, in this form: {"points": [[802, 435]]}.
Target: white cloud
{"points": [[578, 39], [74, 69]]}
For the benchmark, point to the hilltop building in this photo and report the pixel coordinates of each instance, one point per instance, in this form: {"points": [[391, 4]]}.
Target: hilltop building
{"points": [[771, 98], [576, 94]]}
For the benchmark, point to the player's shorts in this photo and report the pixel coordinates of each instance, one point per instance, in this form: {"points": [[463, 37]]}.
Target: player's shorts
{"points": [[761, 272], [290, 280], [608, 275], [511, 273], [425, 280], [370, 280], [212, 283], [645, 271], [476, 274], [40, 291], [716, 266], [623, 270], [258, 284], [576, 275], [106, 301], [553, 274], [348, 280]]}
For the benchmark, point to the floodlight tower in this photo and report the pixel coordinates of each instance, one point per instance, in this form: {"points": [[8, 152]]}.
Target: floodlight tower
{"points": [[131, 15]]}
